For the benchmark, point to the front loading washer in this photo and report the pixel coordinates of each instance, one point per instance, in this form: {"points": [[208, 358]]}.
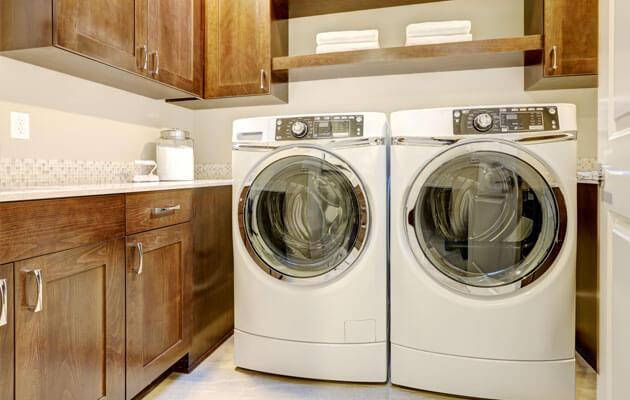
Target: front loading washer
{"points": [[310, 246], [483, 242]]}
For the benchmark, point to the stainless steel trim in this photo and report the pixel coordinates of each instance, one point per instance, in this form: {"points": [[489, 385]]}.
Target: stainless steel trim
{"points": [[554, 52], [348, 172], [146, 58], [39, 302], [138, 245], [507, 147], [5, 301], [522, 138], [165, 210], [332, 144]]}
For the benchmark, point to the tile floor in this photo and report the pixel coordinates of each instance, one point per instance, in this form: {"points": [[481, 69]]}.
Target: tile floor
{"points": [[217, 379]]}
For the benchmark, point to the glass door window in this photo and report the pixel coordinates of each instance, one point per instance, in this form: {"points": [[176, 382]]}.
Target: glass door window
{"points": [[303, 216], [485, 219]]}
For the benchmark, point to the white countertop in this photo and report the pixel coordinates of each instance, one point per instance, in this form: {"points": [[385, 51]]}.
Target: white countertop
{"points": [[59, 191]]}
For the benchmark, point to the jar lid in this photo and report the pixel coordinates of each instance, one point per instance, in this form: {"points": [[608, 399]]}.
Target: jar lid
{"points": [[177, 134]]}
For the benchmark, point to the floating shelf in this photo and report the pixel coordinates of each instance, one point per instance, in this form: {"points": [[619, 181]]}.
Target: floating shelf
{"points": [[477, 54], [307, 8]]}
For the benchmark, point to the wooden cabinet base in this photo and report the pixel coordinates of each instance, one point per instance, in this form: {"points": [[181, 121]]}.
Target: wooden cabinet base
{"points": [[70, 324], [158, 303], [7, 372]]}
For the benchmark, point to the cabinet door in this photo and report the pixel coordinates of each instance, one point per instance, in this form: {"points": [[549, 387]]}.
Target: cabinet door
{"points": [[571, 37], [159, 280], [69, 324], [111, 31], [6, 332], [175, 40], [238, 51]]}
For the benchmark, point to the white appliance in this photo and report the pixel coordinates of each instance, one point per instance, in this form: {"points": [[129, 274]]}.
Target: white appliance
{"points": [[483, 242], [310, 246]]}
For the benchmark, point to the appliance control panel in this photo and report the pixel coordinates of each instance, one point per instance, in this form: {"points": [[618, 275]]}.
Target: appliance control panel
{"points": [[476, 121], [319, 127]]}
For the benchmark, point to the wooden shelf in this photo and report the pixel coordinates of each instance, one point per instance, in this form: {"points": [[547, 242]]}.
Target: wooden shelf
{"points": [[307, 8], [478, 54]]}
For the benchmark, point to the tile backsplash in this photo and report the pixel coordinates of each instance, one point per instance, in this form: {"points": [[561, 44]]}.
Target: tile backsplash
{"points": [[29, 172]]}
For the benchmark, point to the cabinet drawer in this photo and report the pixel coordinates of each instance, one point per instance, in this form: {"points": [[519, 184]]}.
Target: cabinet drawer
{"points": [[34, 228], [146, 211]]}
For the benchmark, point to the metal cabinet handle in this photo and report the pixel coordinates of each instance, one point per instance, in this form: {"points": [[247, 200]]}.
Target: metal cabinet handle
{"points": [[156, 63], [262, 79], [4, 299], [146, 58], [141, 253], [166, 210], [554, 52], [39, 303]]}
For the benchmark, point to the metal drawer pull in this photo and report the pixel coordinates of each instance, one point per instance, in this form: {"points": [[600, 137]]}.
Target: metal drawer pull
{"points": [[262, 79], [554, 51], [4, 299], [145, 51], [165, 210], [39, 303], [156, 63], [141, 254]]}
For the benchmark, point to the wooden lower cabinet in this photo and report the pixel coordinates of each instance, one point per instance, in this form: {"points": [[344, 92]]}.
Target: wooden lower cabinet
{"points": [[70, 324], [159, 283], [7, 374]]}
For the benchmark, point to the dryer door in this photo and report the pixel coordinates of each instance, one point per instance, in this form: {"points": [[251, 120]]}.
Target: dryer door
{"points": [[304, 215], [486, 217]]}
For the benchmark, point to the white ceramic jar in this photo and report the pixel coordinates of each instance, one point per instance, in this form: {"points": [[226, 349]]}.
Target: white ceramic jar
{"points": [[175, 156]]}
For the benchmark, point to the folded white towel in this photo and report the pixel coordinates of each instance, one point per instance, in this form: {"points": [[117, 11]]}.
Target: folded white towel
{"points": [[438, 28], [370, 35], [416, 41], [333, 48]]}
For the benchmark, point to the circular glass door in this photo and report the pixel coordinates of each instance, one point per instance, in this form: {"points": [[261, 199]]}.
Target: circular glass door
{"points": [[485, 219], [305, 216]]}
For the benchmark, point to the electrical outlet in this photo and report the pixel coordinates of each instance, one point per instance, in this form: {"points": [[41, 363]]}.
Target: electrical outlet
{"points": [[20, 126]]}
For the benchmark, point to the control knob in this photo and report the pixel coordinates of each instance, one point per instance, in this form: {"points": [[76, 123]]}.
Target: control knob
{"points": [[483, 122], [299, 129]]}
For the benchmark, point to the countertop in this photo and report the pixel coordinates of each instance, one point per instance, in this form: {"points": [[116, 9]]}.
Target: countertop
{"points": [[59, 191]]}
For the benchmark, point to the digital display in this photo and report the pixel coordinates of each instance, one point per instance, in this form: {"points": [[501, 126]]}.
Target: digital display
{"points": [[324, 125], [511, 116], [340, 126]]}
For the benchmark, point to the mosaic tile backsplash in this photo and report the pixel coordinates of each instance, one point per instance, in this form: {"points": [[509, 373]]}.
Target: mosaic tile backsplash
{"points": [[29, 172]]}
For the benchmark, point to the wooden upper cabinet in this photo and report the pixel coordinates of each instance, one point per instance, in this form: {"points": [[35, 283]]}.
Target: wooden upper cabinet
{"points": [[70, 324], [175, 43], [238, 47], [571, 35], [102, 29], [159, 288], [6, 332]]}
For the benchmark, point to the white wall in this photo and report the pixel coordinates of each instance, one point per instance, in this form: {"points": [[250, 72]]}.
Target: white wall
{"points": [[491, 18], [74, 119]]}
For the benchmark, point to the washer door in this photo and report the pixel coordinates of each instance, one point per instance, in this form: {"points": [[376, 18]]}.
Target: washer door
{"points": [[487, 216], [304, 215]]}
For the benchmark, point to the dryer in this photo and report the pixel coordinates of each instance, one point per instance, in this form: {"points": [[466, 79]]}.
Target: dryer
{"points": [[310, 245], [483, 243]]}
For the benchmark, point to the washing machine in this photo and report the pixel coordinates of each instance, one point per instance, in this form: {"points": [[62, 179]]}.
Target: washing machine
{"points": [[483, 243], [310, 245]]}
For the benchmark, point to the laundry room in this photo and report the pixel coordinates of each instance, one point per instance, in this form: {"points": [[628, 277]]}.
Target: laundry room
{"points": [[314, 199]]}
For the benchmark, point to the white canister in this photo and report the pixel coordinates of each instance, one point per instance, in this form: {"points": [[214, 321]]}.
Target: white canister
{"points": [[175, 156]]}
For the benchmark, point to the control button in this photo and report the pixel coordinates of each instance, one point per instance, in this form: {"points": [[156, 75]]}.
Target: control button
{"points": [[483, 122], [552, 111], [299, 129], [279, 122], [457, 114], [359, 118]]}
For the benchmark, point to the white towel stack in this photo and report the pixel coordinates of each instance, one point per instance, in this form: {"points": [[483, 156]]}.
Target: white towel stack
{"points": [[438, 32], [330, 42]]}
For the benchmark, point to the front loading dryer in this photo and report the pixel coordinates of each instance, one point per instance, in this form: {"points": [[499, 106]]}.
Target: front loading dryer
{"points": [[310, 246], [483, 233]]}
